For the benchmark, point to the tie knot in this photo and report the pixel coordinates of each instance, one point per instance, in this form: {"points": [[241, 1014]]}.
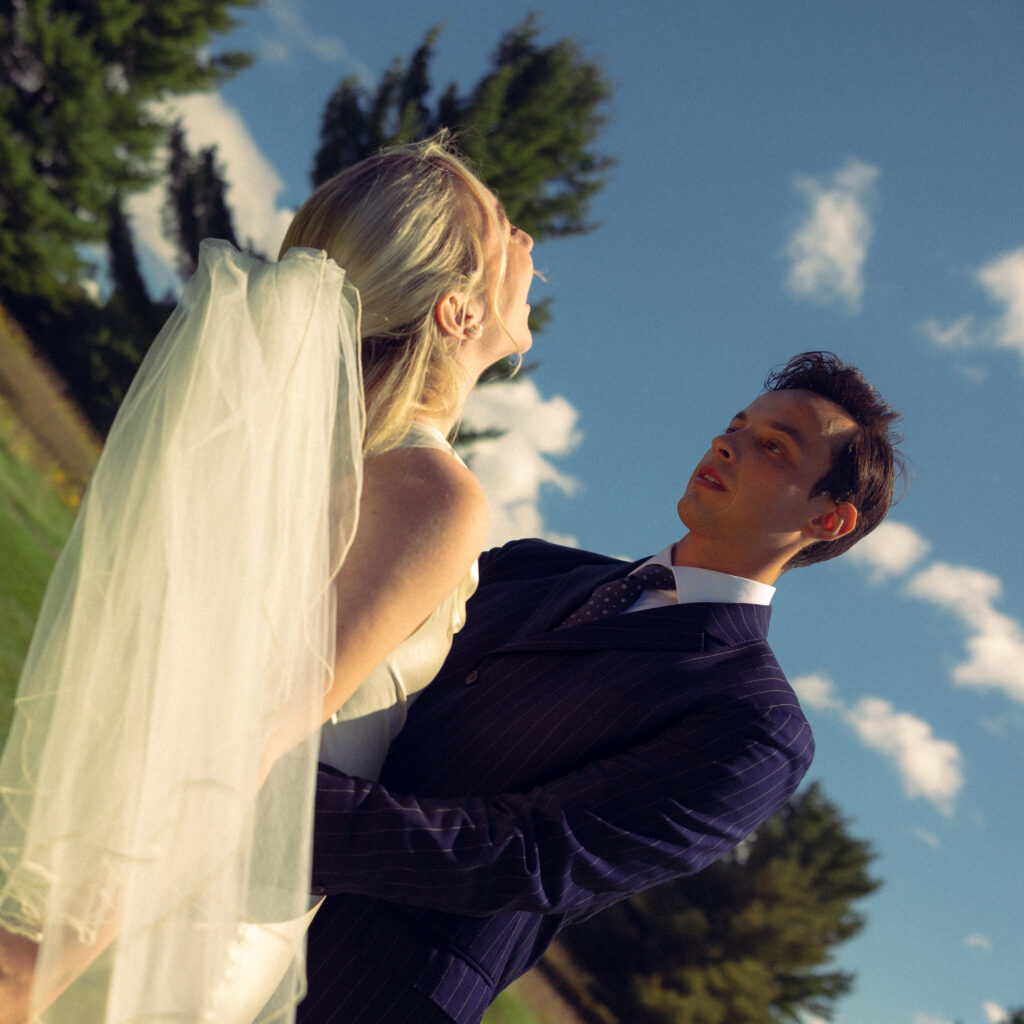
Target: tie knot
{"points": [[614, 597], [655, 577]]}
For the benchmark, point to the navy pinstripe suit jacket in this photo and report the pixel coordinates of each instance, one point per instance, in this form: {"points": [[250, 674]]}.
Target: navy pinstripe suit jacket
{"points": [[543, 776]]}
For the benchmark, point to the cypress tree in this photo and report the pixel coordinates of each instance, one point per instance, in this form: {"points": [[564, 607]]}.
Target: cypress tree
{"points": [[196, 206]]}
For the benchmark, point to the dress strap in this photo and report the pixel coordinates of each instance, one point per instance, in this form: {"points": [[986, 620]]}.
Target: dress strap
{"points": [[422, 435]]}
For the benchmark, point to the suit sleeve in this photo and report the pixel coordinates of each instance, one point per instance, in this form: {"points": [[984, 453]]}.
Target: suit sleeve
{"points": [[661, 809]]}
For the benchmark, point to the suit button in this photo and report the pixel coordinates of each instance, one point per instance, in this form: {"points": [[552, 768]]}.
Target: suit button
{"points": [[472, 677]]}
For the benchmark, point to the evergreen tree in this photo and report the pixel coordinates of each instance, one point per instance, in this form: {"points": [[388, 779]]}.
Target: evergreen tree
{"points": [[129, 296], [196, 206], [77, 78], [529, 125], [96, 347], [742, 942]]}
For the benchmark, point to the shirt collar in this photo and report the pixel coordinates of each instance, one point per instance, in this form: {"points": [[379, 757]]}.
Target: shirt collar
{"points": [[707, 586]]}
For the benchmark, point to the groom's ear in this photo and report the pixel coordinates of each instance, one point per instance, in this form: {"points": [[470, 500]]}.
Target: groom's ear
{"points": [[832, 524], [454, 315]]}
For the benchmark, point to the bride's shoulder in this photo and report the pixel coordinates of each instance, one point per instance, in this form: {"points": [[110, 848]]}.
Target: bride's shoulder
{"points": [[430, 487]]}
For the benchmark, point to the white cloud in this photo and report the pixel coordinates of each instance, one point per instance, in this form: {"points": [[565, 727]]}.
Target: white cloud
{"points": [[828, 251], [926, 837], [157, 256], [1004, 724], [994, 1012], [960, 334], [927, 1018], [515, 467], [995, 645], [929, 767], [252, 182], [1004, 280], [816, 691], [294, 37], [889, 550], [995, 642], [980, 942]]}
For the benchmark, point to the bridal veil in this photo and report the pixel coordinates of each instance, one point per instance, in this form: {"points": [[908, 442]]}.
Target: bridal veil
{"points": [[191, 614]]}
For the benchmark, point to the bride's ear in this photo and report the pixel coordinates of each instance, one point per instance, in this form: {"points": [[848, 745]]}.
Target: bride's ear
{"points": [[455, 316]]}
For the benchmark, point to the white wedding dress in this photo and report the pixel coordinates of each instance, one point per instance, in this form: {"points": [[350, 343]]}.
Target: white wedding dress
{"points": [[190, 617]]}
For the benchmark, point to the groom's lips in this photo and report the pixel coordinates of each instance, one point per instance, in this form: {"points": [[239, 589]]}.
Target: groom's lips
{"points": [[708, 477]]}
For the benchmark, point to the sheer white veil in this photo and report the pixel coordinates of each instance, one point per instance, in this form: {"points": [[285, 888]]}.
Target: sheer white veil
{"points": [[190, 615]]}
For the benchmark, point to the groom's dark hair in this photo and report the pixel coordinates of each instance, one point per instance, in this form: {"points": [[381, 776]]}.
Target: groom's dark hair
{"points": [[865, 469]]}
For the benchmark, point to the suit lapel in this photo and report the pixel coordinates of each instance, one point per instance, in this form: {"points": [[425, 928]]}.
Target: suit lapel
{"points": [[572, 590], [737, 623], [657, 629], [673, 627]]}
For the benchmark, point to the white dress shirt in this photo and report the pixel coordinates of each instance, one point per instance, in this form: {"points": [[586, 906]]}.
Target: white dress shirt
{"points": [[701, 586]]}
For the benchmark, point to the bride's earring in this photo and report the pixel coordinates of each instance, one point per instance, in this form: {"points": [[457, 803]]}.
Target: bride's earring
{"points": [[473, 330]]}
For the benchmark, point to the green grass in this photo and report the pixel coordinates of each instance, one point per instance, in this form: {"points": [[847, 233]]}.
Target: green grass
{"points": [[34, 524], [508, 1008]]}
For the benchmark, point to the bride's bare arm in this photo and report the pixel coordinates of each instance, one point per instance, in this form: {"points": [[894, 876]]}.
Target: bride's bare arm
{"points": [[17, 962], [18, 957], [423, 521]]}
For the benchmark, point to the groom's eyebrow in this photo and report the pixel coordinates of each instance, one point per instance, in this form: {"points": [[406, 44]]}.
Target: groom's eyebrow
{"points": [[783, 428]]}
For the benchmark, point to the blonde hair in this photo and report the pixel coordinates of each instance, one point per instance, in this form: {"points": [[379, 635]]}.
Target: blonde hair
{"points": [[407, 225]]}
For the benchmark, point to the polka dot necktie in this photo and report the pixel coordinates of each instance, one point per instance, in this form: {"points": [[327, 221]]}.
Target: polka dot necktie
{"points": [[611, 598]]}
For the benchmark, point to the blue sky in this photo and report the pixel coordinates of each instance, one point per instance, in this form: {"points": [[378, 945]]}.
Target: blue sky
{"points": [[791, 175]]}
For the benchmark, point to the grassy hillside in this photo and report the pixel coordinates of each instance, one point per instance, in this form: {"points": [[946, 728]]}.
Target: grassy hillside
{"points": [[47, 452], [34, 523]]}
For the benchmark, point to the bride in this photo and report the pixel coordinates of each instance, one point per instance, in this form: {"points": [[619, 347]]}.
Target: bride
{"points": [[277, 524]]}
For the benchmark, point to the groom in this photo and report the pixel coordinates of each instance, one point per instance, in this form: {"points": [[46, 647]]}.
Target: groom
{"points": [[553, 768]]}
